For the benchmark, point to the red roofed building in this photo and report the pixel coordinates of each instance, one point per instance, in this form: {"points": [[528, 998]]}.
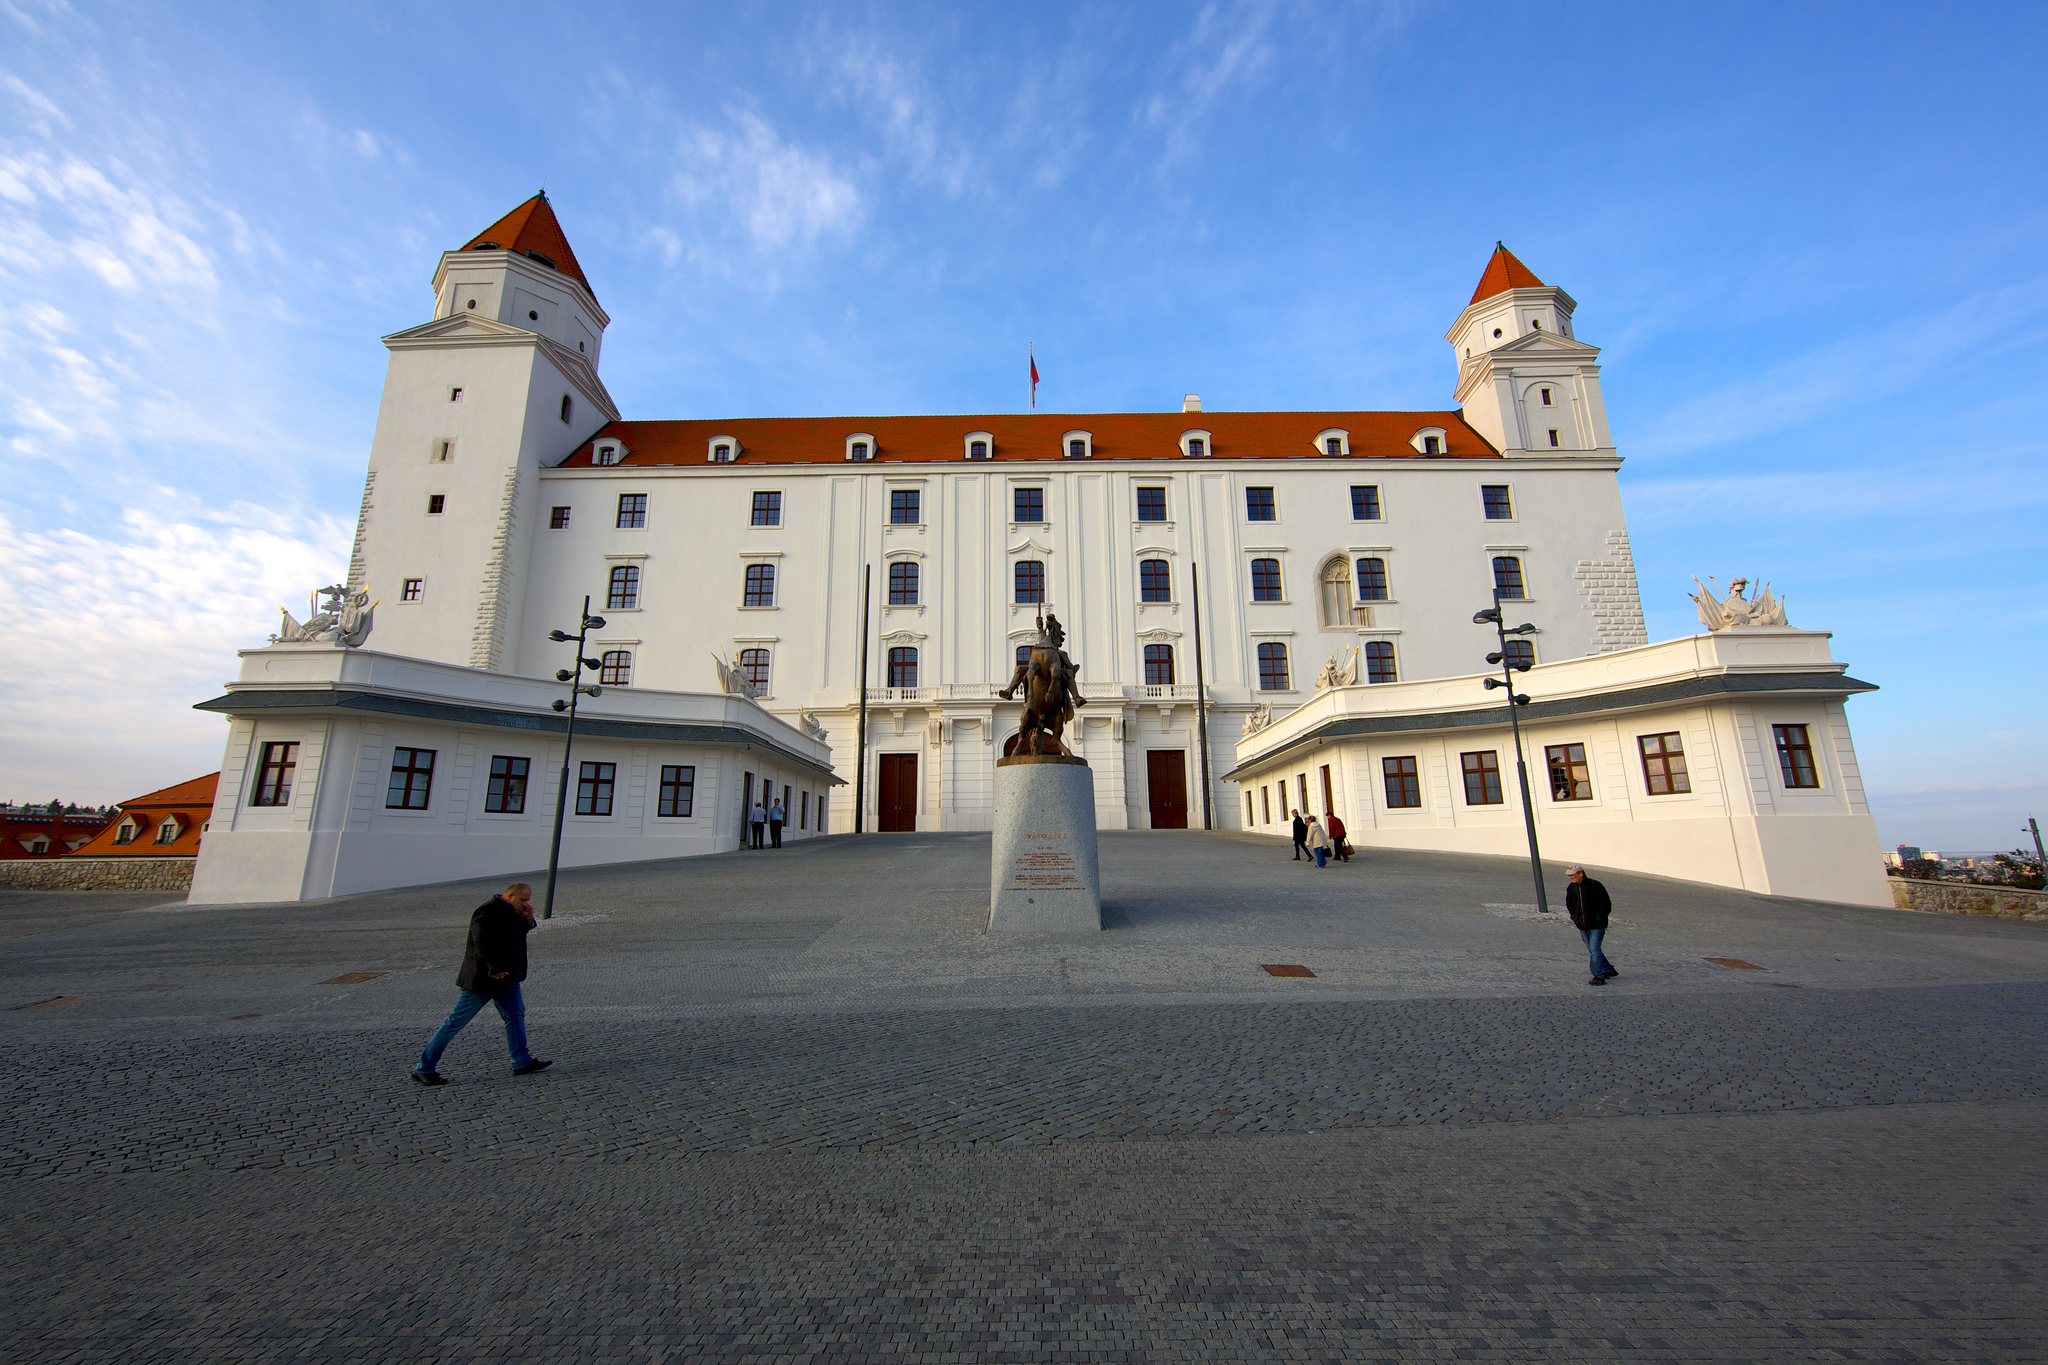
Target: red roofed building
{"points": [[167, 823], [35, 834]]}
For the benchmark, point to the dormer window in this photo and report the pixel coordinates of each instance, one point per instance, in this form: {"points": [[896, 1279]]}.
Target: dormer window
{"points": [[1432, 445], [1196, 444], [1333, 441], [536, 256], [608, 452], [722, 450], [1429, 441], [126, 832], [168, 831], [980, 445], [861, 446], [1078, 445]]}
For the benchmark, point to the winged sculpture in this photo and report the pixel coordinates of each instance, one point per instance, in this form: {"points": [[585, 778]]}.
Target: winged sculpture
{"points": [[1734, 610]]}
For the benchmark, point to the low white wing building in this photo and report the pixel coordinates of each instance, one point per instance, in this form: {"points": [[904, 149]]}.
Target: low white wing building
{"points": [[917, 552]]}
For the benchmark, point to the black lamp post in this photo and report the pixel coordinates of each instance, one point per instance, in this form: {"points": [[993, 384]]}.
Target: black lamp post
{"points": [[1516, 701], [578, 689]]}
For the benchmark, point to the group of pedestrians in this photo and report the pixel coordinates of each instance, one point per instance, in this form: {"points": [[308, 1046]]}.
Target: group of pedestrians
{"points": [[771, 818], [1319, 844]]}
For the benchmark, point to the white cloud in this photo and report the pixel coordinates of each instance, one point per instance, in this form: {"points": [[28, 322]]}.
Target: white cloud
{"points": [[1227, 46], [783, 196], [113, 229], [117, 632]]}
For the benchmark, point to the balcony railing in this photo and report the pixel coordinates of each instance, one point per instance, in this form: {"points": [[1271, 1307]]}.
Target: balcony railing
{"points": [[987, 692]]}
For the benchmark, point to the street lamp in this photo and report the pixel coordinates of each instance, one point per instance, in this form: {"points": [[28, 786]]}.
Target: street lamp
{"points": [[578, 689], [1516, 701]]}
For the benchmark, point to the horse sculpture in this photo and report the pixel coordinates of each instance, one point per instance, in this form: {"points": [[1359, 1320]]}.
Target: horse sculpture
{"points": [[1049, 680]]}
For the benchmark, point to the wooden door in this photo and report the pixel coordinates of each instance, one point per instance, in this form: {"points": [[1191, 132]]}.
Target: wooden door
{"points": [[1166, 781], [896, 793]]}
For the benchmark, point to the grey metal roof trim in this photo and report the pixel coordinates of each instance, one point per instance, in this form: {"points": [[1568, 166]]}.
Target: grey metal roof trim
{"points": [[1720, 684], [344, 699]]}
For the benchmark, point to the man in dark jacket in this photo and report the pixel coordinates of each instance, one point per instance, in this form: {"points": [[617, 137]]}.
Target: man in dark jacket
{"points": [[1300, 835], [492, 968], [1589, 906]]}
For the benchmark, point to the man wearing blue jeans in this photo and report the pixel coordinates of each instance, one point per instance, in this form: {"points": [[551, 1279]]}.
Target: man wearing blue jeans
{"points": [[1589, 905], [493, 965]]}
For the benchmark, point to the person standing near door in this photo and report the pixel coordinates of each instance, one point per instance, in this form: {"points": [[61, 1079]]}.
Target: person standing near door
{"points": [[1300, 836], [758, 818], [776, 817]]}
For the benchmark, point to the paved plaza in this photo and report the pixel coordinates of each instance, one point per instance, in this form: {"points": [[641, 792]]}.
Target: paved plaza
{"points": [[803, 1109]]}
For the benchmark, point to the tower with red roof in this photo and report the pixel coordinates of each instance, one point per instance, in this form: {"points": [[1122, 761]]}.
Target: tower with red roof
{"points": [[1524, 380]]}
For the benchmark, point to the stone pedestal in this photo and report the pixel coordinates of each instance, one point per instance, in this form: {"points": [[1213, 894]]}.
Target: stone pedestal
{"points": [[1043, 877]]}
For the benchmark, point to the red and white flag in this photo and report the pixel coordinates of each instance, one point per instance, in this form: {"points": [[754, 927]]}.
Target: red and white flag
{"points": [[1034, 381]]}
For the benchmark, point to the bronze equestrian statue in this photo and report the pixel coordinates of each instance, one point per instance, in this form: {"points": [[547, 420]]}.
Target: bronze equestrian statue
{"points": [[1051, 692]]}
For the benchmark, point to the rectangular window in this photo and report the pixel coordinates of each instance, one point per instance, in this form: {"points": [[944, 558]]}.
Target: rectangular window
{"points": [[903, 505], [1155, 581], [1372, 580], [1379, 661], [623, 593], [803, 809], [1570, 779], [274, 774], [558, 519], [1553, 435], [767, 508], [1151, 504], [903, 583], [903, 667], [1507, 577], [1266, 580], [1265, 805], [1301, 781], [436, 504], [594, 788], [615, 668], [1029, 504], [1546, 397], [1158, 665], [678, 791], [1258, 505], [506, 794], [414, 589], [1248, 808], [1482, 778], [1272, 666], [632, 511], [412, 779], [1663, 764], [1795, 756], [754, 669], [1499, 507], [760, 586], [455, 395], [1404, 788], [1365, 502], [1030, 581]]}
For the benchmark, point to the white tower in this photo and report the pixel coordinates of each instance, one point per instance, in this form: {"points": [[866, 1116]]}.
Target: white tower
{"points": [[1523, 380], [502, 383]]}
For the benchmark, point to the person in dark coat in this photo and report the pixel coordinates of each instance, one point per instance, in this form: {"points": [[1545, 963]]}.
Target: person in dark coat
{"points": [[1300, 835], [1587, 902], [493, 965], [1339, 845]]}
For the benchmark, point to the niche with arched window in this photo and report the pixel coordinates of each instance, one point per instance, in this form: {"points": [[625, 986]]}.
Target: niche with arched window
{"points": [[1333, 594]]}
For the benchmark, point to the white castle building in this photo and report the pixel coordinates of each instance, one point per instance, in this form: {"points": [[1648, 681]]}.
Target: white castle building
{"points": [[1337, 557]]}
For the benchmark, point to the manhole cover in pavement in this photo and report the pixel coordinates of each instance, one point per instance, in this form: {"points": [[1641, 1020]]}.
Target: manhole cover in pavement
{"points": [[351, 978], [52, 1002], [1286, 969], [1737, 963]]}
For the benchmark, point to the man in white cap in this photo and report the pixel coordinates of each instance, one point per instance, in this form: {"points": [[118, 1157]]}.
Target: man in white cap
{"points": [[1587, 902]]}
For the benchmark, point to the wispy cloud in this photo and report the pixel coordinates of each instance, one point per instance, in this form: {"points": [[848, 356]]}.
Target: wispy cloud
{"points": [[781, 196], [1229, 45]]}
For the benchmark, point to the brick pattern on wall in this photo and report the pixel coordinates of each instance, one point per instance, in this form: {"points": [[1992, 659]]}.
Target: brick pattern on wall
{"points": [[1609, 587], [357, 569], [487, 641]]}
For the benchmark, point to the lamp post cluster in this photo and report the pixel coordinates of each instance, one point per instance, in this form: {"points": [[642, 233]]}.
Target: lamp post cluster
{"points": [[1516, 701], [577, 690]]}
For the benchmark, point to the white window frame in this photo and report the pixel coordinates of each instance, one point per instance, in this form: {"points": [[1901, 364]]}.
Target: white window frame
{"points": [[1323, 440], [1420, 440], [1087, 440], [867, 440], [733, 449], [967, 445], [1201, 434]]}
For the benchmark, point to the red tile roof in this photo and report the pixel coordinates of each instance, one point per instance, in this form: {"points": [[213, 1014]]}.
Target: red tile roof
{"points": [[191, 803], [1504, 272], [1034, 436], [197, 792], [533, 227], [18, 829]]}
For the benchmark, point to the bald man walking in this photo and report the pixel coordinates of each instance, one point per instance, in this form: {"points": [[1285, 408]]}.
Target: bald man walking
{"points": [[493, 965]]}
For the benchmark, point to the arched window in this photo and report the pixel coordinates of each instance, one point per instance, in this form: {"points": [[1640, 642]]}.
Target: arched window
{"points": [[1158, 665], [1030, 581], [1507, 576], [568, 407], [1372, 580], [1333, 596], [903, 667], [1155, 581], [1023, 654], [624, 591], [903, 583], [754, 669], [1272, 666], [1379, 661], [760, 585], [616, 668], [1265, 580], [1520, 653]]}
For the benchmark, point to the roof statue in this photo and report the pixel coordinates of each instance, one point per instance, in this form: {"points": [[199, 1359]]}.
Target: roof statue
{"points": [[1340, 671], [1736, 611], [1051, 692], [811, 725], [1259, 719], [730, 679], [344, 618]]}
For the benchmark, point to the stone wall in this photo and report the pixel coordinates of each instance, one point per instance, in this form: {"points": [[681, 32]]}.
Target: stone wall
{"points": [[97, 874], [1961, 898]]}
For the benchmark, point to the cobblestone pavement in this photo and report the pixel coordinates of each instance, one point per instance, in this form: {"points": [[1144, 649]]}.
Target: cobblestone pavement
{"points": [[794, 1122]]}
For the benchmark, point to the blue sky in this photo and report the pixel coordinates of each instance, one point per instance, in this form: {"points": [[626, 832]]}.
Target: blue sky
{"points": [[1807, 238]]}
